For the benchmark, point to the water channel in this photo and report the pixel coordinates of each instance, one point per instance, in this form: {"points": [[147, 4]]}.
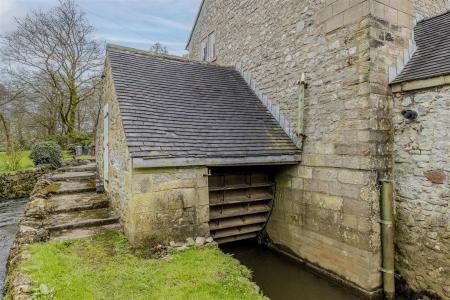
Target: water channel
{"points": [[10, 213], [282, 278]]}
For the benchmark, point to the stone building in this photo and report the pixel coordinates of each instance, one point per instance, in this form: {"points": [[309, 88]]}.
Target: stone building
{"points": [[421, 120], [322, 71], [169, 129]]}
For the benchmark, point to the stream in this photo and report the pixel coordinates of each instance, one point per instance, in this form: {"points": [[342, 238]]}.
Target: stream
{"points": [[10, 213], [282, 278]]}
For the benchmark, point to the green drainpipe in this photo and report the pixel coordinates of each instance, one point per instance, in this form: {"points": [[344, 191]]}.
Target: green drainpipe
{"points": [[387, 238]]}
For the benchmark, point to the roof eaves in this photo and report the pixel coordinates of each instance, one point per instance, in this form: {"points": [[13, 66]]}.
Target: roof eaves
{"points": [[195, 23], [142, 163]]}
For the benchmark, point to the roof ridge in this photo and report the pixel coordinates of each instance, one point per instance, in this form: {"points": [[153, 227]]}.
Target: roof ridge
{"points": [[433, 17], [141, 52]]}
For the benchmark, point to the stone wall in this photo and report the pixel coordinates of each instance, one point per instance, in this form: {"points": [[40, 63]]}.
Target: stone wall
{"points": [[118, 181], [326, 210], [422, 193], [429, 8], [168, 204], [19, 184]]}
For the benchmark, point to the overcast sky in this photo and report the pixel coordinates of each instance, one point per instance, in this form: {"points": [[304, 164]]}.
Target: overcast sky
{"points": [[133, 23]]}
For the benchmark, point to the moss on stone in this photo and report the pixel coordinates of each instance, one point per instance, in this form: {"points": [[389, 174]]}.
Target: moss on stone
{"points": [[91, 183], [49, 189]]}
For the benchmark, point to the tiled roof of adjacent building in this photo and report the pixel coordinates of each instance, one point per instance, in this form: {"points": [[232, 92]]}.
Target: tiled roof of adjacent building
{"points": [[193, 112], [432, 57]]}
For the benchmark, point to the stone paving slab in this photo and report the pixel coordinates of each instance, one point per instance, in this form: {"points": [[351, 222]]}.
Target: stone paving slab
{"points": [[76, 202]]}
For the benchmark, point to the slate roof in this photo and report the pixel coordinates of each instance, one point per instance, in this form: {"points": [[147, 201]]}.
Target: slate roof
{"points": [[432, 57], [191, 111]]}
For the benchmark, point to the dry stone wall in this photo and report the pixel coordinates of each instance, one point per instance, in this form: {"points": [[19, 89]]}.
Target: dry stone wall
{"points": [[19, 184], [422, 193]]}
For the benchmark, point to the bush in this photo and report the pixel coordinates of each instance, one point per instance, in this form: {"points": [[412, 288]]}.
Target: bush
{"points": [[83, 138], [47, 153], [66, 142], [60, 139]]}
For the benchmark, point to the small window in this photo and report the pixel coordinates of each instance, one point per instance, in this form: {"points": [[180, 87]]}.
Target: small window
{"points": [[208, 47], [211, 46], [204, 49]]}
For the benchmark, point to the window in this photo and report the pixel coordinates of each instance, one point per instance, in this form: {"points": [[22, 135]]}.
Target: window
{"points": [[204, 49], [211, 46], [208, 47]]}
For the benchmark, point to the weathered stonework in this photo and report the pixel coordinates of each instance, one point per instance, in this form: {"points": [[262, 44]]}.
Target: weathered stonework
{"points": [[422, 194], [327, 209], [168, 204], [19, 184], [118, 181]]}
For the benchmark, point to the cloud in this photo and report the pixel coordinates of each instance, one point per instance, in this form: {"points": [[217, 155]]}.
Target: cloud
{"points": [[167, 22], [8, 10], [134, 23], [134, 40]]}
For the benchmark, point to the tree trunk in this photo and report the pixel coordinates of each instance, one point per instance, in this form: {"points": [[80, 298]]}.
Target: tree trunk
{"points": [[9, 142], [73, 106]]}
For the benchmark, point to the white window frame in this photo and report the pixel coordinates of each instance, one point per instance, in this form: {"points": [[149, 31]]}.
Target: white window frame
{"points": [[212, 46], [204, 50], [208, 47]]}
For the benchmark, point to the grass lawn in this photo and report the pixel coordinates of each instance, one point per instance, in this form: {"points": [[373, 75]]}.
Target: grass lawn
{"points": [[26, 163], [105, 267]]}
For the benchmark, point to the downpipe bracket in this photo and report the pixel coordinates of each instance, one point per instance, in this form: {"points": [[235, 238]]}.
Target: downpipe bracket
{"points": [[384, 222], [388, 271]]}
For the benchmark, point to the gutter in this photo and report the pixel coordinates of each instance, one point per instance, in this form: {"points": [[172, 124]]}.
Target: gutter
{"points": [[142, 163]]}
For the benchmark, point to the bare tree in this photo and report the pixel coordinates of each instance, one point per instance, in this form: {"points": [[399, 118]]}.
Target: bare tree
{"points": [[7, 97], [56, 47], [159, 48]]}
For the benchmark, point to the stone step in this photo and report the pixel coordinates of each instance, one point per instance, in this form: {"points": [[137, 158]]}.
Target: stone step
{"points": [[73, 176], [91, 167], [81, 219], [77, 233], [76, 202], [72, 187]]}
